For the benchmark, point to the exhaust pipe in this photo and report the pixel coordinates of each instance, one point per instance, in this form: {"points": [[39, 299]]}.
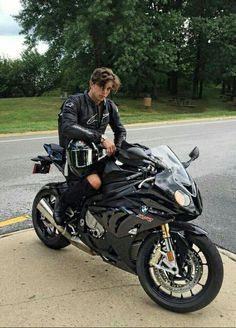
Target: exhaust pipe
{"points": [[46, 211]]}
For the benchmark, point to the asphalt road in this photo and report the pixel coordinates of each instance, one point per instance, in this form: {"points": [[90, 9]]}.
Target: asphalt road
{"points": [[214, 171]]}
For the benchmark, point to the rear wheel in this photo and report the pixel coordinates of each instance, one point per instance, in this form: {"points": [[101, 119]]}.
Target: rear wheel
{"points": [[46, 232], [195, 285]]}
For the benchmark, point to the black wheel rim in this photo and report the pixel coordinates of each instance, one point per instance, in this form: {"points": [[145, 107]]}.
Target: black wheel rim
{"points": [[192, 280]]}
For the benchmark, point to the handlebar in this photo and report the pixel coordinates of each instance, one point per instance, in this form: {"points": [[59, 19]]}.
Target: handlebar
{"points": [[136, 175]]}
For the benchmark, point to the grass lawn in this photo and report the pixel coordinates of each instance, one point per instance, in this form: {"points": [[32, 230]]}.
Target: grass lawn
{"points": [[40, 113]]}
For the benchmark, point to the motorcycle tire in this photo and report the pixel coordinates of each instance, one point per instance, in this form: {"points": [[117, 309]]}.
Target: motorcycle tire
{"points": [[166, 289], [48, 234]]}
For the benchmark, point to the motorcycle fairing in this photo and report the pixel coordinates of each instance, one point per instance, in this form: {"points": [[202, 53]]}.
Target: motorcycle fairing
{"points": [[165, 183], [116, 171], [175, 177], [188, 227], [121, 221], [174, 165], [128, 194], [121, 252]]}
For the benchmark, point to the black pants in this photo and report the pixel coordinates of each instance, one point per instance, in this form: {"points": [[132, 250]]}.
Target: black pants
{"points": [[79, 187]]}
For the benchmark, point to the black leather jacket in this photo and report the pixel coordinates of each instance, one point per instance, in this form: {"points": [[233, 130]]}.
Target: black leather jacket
{"points": [[80, 119]]}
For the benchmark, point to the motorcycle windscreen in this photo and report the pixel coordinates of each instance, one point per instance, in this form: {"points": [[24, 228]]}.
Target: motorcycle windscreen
{"points": [[168, 157]]}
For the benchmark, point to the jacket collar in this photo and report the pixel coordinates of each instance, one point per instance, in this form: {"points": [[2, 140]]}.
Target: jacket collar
{"points": [[90, 100]]}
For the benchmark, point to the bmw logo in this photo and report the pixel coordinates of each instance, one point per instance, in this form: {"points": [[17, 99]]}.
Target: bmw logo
{"points": [[144, 209]]}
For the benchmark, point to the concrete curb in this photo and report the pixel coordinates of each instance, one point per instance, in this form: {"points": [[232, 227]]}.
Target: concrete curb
{"points": [[227, 253]]}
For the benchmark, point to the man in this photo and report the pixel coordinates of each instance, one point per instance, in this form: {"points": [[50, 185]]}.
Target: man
{"points": [[85, 117]]}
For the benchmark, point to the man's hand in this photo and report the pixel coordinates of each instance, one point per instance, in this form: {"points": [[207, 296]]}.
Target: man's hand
{"points": [[109, 145]]}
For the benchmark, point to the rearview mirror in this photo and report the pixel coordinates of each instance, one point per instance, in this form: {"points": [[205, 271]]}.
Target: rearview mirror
{"points": [[194, 153]]}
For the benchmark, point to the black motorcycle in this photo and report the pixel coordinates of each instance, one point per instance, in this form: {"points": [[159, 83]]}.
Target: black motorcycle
{"points": [[138, 222]]}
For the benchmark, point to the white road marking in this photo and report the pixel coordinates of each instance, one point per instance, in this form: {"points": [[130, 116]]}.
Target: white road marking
{"points": [[158, 126]]}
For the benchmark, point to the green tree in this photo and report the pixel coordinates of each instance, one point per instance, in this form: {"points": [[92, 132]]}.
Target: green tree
{"points": [[204, 18], [148, 42], [29, 76], [129, 36], [10, 78], [222, 37]]}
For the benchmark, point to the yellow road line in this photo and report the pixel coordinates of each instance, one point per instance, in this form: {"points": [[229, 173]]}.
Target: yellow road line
{"points": [[14, 220]]}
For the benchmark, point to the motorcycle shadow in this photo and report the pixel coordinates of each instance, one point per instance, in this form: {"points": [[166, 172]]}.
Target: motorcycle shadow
{"points": [[76, 270]]}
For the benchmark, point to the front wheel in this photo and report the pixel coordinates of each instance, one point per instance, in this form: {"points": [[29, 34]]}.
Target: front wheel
{"points": [[46, 232], [195, 285]]}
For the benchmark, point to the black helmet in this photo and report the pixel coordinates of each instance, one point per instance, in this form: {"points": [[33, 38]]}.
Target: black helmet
{"points": [[81, 155]]}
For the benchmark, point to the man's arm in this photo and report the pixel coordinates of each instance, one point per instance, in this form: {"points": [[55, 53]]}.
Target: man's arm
{"points": [[116, 125]]}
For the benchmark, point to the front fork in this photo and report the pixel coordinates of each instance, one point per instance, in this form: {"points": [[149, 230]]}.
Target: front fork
{"points": [[165, 260]]}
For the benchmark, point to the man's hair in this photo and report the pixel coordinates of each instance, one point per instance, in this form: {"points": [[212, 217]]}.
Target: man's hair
{"points": [[102, 75]]}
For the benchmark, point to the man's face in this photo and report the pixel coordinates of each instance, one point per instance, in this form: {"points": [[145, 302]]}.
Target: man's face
{"points": [[100, 93]]}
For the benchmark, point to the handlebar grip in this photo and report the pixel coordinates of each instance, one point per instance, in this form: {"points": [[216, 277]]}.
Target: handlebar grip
{"points": [[134, 176]]}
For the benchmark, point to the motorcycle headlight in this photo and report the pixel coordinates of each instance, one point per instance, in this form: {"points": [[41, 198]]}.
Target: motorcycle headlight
{"points": [[182, 199]]}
